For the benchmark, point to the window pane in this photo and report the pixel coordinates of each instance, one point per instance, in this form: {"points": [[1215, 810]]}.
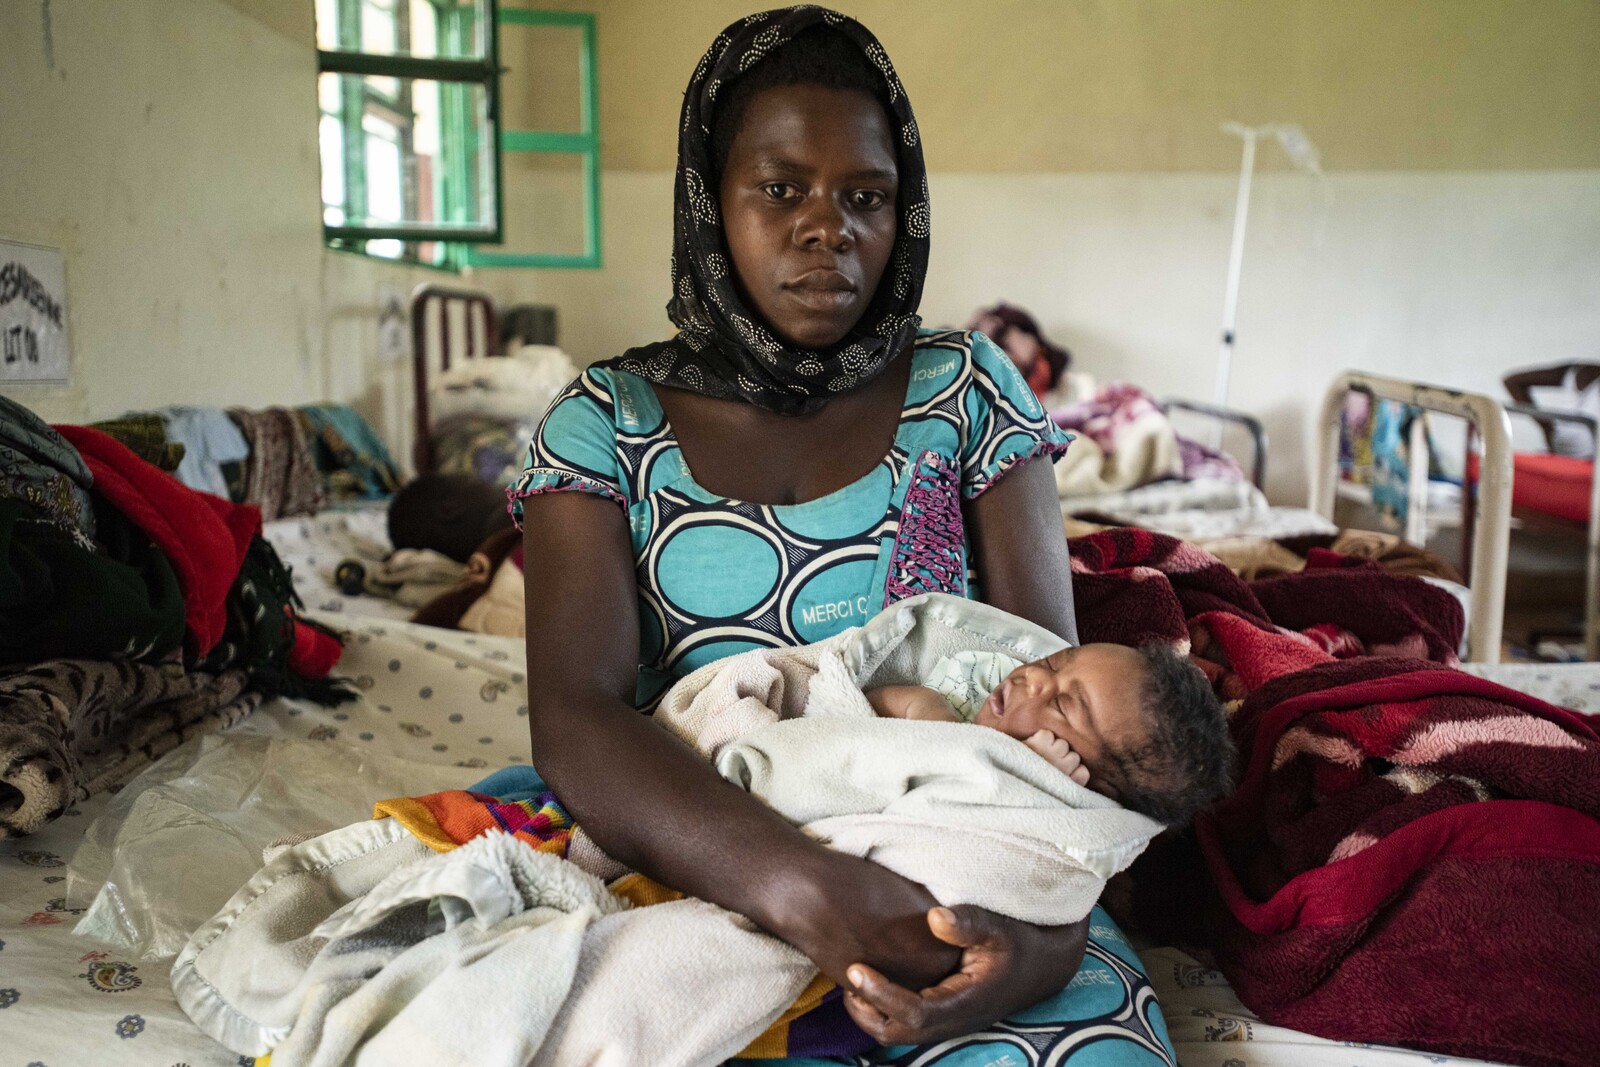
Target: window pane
{"points": [[542, 87], [425, 29], [330, 135], [419, 156]]}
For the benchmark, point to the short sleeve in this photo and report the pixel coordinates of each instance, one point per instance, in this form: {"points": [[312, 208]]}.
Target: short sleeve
{"points": [[1004, 424], [575, 446]]}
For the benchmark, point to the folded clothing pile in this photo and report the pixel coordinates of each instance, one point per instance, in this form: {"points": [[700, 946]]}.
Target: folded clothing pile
{"points": [[284, 461], [133, 610]]}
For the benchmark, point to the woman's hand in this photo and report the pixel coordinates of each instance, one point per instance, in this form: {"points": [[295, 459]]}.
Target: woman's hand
{"points": [[1006, 966], [843, 910]]}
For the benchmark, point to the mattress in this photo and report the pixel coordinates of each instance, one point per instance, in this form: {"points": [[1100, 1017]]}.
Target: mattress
{"points": [[441, 707], [1204, 508]]}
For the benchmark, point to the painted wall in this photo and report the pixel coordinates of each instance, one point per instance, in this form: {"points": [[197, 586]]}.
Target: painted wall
{"points": [[169, 148], [1057, 86]]}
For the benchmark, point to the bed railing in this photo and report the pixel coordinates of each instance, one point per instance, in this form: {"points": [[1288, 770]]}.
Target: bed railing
{"points": [[1491, 529], [1251, 424], [1591, 597], [464, 321]]}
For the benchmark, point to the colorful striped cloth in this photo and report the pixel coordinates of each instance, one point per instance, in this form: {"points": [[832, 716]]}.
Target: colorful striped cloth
{"points": [[816, 1025]]}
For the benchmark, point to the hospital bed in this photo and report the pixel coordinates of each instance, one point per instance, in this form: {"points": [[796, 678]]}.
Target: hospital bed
{"points": [[439, 708]]}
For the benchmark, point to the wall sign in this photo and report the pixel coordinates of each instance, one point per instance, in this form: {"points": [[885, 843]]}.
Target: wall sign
{"points": [[33, 314], [394, 325]]}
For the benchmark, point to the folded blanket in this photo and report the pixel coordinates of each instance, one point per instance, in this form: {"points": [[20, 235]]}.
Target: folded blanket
{"points": [[281, 475], [1125, 440], [353, 460], [203, 536], [73, 728], [39, 468]]}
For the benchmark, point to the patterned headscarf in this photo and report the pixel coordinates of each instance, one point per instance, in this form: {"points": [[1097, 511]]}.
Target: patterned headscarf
{"points": [[723, 348]]}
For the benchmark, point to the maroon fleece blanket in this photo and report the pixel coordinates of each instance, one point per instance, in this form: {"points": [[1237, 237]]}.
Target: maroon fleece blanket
{"points": [[1412, 855]]}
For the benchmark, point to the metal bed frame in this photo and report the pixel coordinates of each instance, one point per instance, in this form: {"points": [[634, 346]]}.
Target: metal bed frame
{"points": [[1488, 518], [445, 307], [1251, 424], [1591, 599]]}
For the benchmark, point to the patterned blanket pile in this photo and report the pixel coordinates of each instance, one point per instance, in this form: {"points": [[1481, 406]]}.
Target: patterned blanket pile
{"points": [[1412, 855], [134, 611]]}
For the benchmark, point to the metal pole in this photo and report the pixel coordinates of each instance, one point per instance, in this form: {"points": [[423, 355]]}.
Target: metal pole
{"points": [[1230, 299]]}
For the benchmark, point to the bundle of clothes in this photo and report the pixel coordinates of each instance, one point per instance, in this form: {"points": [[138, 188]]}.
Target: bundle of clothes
{"points": [[1126, 439], [134, 612], [282, 461]]}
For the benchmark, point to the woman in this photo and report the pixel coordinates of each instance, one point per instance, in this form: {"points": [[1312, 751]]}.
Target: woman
{"points": [[1042, 364], [795, 458]]}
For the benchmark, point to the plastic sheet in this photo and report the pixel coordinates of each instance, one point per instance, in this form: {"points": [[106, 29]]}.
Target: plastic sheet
{"points": [[174, 845]]}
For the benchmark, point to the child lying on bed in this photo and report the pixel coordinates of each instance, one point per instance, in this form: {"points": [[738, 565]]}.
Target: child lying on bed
{"points": [[1140, 726]]}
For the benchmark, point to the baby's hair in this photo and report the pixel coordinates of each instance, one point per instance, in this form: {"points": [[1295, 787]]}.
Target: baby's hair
{"points": [[818, 55], [1188, 760]]}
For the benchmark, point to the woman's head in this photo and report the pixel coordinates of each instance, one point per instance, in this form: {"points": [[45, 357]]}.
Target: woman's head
{"points": [[802, 218], [807, 181]]}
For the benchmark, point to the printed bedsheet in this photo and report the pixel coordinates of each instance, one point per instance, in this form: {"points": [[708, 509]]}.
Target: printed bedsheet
{"points": [[455, 699], [312, 546]]}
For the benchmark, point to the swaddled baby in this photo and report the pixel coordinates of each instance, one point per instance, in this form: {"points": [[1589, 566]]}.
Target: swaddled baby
{"points": [[1140, 726]]}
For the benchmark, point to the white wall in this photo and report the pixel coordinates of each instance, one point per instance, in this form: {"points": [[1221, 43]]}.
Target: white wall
{"points": [[1450, 278], [169, 149]]}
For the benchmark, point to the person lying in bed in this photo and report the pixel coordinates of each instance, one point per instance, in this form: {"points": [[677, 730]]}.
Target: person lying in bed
{"points": [[798, 456], [1140, 726]]}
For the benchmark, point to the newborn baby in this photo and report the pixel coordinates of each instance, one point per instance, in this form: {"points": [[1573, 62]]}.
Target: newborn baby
{"points": [[1140, 726]]}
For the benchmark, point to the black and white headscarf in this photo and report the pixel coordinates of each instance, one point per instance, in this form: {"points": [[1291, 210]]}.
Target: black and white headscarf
{"points": [[723, 348]]}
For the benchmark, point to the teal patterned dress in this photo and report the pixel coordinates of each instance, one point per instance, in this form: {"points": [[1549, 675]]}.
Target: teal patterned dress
{"points": [[719, 576]]}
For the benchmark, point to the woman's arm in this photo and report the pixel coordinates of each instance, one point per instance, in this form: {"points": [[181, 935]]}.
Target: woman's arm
{"points": [[654, 804], [1019, 548], [1519, 382], [1020, 553]]}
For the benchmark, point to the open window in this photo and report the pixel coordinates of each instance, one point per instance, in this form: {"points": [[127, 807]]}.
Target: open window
{"points": [[453, 132]]}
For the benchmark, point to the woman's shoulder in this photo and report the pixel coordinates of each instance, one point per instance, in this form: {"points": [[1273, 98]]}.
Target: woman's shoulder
{"points": [[967, 360], [605, 391]]}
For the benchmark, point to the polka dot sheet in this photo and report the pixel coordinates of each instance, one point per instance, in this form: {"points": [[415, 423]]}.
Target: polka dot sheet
{"points": [[313, 546], [459, 699], [427, 695]]}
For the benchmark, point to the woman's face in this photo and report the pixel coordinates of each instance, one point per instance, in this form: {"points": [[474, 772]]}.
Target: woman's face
{"points": [[808, 208]]}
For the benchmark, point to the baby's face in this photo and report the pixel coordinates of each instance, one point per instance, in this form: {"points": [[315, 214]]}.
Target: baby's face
{"points": [[1086, 696]]}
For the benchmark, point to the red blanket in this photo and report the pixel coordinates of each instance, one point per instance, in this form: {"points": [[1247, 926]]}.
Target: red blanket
{"points": [[1412, 855], [205, 537]]}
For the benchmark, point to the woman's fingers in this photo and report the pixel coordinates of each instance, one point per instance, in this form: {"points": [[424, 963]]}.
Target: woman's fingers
{"points": [[894, 1015]]}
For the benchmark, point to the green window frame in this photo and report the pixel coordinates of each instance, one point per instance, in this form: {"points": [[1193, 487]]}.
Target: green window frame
{"points": [[585, 143], [459, 128]]}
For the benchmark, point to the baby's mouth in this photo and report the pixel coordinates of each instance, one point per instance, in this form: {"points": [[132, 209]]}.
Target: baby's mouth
{"points": [[996, 704]]}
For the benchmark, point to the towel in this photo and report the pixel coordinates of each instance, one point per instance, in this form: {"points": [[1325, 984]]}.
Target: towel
{"points": [[210, 441]]}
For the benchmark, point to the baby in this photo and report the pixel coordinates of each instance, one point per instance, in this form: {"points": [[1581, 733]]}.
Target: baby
{"points": [[1140, 726]]}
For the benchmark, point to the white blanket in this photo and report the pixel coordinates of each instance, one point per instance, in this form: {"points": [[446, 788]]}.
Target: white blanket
{"points": [[974, 815]]}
